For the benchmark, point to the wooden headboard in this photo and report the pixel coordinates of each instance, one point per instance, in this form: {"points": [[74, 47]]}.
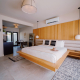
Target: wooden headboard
{"points": [[69, 44]]}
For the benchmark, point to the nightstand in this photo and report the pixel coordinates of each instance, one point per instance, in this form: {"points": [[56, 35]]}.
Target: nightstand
{"points": [[75, 54]]}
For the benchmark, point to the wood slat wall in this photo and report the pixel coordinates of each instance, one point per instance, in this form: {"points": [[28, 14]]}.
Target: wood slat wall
{"points": [[63, 31]]}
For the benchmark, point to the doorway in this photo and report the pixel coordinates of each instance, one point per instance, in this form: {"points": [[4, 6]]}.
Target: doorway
{"points": [[12, 37], [15, 38], [9, 36]]}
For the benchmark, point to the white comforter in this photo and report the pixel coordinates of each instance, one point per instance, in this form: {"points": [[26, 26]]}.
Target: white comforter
{"points": [[45, 53]]}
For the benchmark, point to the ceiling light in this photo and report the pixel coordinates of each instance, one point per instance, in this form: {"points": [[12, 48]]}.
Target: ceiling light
{"points": [[4, 27], [28, 6], [78, 36], [16, 25]]}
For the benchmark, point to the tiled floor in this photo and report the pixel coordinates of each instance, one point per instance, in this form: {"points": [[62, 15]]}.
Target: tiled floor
{"points": [[22, 70]]}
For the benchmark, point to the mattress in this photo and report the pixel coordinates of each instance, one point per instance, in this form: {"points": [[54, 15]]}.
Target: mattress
{"points": [[44, 52]]}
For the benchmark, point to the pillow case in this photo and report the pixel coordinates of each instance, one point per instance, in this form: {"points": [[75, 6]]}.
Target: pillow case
{"points": [[53, 43], [43, 42], [46, 42], [60, 44], [49, 42]]}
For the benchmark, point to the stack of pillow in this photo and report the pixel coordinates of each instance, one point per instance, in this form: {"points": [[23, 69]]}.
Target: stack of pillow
{"points": [[55, 43]]}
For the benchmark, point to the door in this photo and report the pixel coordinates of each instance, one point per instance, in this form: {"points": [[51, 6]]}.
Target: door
{"points": [[15, 38], [9, 36]]}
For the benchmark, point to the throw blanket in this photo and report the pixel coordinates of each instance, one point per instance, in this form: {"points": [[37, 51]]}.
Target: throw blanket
{"points": [[41, 49]]}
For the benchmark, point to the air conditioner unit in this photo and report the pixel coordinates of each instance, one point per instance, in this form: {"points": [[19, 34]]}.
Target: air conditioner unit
{"points": [[53, 20]]}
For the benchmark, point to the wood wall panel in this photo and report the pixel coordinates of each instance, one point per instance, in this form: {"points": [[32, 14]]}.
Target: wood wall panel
{"points": [[63, 31], [41, 32], [44, 33], [52, 35], [71, 30], [48, 32], [59, 31], [75, 28], [56, 31], [79, 26]]}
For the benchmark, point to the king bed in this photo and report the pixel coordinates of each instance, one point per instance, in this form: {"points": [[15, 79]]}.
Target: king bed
{"points": [[44, 56]]}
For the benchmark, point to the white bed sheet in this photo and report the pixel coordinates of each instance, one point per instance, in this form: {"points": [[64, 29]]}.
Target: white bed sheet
{"points": [[44, 52]]}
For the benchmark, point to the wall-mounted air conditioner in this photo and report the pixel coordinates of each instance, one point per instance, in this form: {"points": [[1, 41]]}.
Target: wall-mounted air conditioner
{"points": [[52, 20]]}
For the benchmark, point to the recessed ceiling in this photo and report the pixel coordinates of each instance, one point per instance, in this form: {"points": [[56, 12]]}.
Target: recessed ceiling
{"points": [[10, 24], [45, 9]]}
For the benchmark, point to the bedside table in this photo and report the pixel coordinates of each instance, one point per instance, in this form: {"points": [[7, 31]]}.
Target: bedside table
{"points": [[75, 54]]}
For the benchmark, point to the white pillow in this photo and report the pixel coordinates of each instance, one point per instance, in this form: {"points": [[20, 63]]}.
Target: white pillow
{"points": [[59, 43], [43, 42], [49, 42]]}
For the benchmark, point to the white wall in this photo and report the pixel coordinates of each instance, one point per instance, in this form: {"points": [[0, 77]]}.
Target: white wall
{"points": [[6, 18], [1, 39], [64, 18], [26, 30]]}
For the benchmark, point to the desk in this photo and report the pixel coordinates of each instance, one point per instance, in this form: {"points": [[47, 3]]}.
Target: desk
{"points": [[22, 43]]}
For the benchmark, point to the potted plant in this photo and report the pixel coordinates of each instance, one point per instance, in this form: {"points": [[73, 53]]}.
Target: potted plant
{"points": [[4, 32]]}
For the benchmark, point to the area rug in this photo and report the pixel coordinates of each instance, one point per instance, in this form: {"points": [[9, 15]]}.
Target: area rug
{"points": [[15, 58], [69, 70]]}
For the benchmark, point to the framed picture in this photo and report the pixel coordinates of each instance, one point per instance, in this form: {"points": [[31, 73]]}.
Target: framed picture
{"points": [[24, 35]]}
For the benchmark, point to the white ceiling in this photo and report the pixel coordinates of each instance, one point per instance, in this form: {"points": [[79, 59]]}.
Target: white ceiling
{"points": [[45, 9], [10, 24]]}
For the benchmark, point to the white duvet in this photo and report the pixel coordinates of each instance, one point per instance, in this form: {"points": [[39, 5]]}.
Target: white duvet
{"points": [[45, 53]]}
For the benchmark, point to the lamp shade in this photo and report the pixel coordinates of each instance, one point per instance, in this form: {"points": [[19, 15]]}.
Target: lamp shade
{"points": [[16, 25], [28, 6], [37, 36], [77, 37]]}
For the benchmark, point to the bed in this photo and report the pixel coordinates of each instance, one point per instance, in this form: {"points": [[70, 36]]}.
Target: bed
{"points": [[42, 55]]}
